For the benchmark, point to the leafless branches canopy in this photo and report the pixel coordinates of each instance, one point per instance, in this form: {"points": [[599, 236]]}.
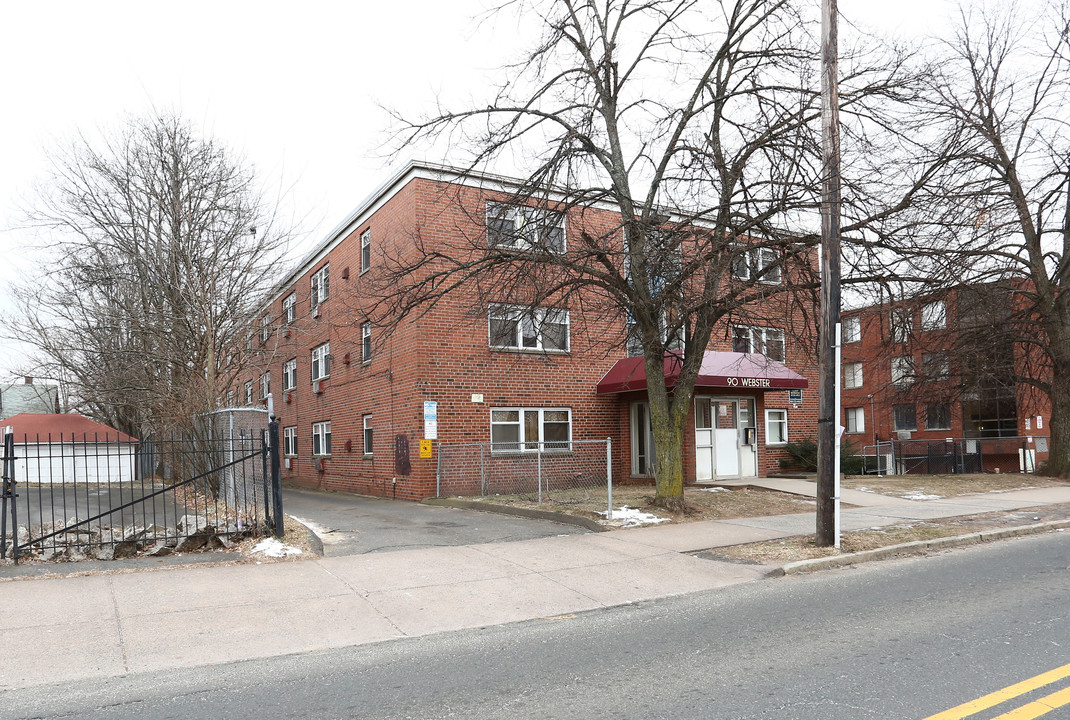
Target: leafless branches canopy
{"points": [[162, 247], [700, 123]]}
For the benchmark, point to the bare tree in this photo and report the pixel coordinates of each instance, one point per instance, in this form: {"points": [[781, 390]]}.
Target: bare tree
{"points": [[698, 123], [162, 249], [1006, 188]]}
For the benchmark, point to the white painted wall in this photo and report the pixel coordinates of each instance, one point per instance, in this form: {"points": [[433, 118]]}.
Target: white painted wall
{"points": [[77, 462]]}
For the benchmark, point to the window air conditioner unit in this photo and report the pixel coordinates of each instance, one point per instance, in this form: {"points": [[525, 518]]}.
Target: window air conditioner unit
{"points": [[286, 333], [321, 464], [289, 397], [317, 387], [316, 311], [288, 463], [903, 434]]}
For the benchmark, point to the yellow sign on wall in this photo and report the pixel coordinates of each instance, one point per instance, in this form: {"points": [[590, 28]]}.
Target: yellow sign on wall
{"points": [[425, 448]]}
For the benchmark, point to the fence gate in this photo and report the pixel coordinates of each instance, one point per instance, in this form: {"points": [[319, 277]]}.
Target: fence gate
{"points": [[82, 497]]}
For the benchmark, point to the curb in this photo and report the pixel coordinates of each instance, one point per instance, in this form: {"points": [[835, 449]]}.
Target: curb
{"points": [[517, 512], [313, 539], [918, 546]]}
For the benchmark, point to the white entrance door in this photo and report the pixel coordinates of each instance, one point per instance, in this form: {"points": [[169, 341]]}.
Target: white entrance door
{"points": [[716, 438]]}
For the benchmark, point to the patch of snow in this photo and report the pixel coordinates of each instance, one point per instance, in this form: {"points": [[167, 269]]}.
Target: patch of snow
{"points": [[271, 547], [920, 496], [866, 489], [713, 489], [627, 517]]}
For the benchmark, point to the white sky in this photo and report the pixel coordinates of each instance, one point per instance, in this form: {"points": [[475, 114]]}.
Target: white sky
{"points": [[295, 88]]}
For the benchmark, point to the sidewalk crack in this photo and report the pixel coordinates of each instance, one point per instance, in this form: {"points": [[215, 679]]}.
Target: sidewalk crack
{"points": [[118, 624]]}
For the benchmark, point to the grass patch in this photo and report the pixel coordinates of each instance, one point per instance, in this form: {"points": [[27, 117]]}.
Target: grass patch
{"points": [[947, 485]]}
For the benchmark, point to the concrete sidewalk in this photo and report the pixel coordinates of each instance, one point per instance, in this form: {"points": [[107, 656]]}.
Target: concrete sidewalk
{"points": [[105, 625]]}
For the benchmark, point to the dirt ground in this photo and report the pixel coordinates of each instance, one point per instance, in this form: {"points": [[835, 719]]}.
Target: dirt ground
{"points": [[718, 503]]}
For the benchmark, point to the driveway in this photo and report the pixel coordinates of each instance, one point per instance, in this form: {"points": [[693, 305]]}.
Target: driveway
{"points": [[355, 524]]}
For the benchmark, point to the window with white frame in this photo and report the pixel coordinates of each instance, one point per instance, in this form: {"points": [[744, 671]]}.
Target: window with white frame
{"points": [[776, 427], [762, 340], [527, 329], [938, 416], [320, 288], [852, 375], [265, 328], [902, 324], [758, 264], [265, 385], [289, 374], [230, 398], [936, 366], [902, 372], [525, 228], [852, 329], [321, 361], [856, 420], [365, 250], [934, 315], [367, 434], [289, 441], [530, 429], [321, 438], [634, 344], [905, 417], [366, 342], [289, 307], [249, 392]]}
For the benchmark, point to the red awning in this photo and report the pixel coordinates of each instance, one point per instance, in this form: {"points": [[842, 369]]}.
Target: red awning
{"points": [[736, 371]]}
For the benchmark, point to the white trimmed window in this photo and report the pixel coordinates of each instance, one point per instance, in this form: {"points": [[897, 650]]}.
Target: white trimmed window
{"points": [[321, 438], [936, 366], [530, 429], [321, 361], [762, 340], [776, 427], [230, 398], [365, 250], [856, 420], [367, 434], [852, 329], [526, 329], [525, 228], [366, 342], [902, 324], [902, 372], [934, 315], [905, 417], [289, 307], [320, 288], [265, 385], [265, 328], [852, 375], [758, 264], [289, 441], [249, 392], [289, 374]]}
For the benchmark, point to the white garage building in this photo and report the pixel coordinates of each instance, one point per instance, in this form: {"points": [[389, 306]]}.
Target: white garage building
{"points": [[69, 448]]}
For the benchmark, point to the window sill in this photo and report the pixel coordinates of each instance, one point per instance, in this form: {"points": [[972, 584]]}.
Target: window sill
{"points": [[776, 445], [528, 351], [321, 457], [519, 453], [367, 456]]}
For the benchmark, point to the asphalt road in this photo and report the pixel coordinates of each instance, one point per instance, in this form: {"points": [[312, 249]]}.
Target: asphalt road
{"points": [[897, 639], [354, 524]]}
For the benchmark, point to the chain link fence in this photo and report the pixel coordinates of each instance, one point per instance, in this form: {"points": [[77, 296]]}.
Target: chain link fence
{"points": [[576, 473]]}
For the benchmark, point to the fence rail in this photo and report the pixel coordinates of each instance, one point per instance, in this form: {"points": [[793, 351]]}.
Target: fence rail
{"points": [[77, 497], [546, 473]]}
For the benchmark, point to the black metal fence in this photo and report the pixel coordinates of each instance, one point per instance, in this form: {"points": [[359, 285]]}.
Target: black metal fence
{"points": [[954, 456], [92, 496]]}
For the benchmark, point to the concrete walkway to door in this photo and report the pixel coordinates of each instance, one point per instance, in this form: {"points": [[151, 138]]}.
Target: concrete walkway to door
{"points": [[356, 524]]}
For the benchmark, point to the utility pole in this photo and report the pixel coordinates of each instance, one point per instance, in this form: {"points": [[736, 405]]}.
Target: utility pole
{"points": [[828, 414]]}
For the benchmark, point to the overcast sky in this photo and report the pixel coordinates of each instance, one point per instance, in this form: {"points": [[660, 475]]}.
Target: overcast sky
{"points": [[295, 88]]}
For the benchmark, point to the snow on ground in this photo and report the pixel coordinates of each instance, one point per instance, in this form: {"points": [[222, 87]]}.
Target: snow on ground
{"points": [[866, 489], [271, 547], [920, 496], [328, 535], [632, 517], [713, 489]]}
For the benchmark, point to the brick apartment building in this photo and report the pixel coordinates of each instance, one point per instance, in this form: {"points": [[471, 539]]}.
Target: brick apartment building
{"points": [[940, 368], [351, 399]]}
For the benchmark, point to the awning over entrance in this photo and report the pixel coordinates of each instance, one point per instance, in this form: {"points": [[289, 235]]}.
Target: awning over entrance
{"points": [[736, 371]]}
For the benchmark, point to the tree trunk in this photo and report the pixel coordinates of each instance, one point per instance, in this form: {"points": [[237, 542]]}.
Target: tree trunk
{"points": [[1059, 423]]}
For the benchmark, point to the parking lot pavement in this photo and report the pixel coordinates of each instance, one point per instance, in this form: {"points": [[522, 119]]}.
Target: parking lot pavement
{"points": [[355, 524]]}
